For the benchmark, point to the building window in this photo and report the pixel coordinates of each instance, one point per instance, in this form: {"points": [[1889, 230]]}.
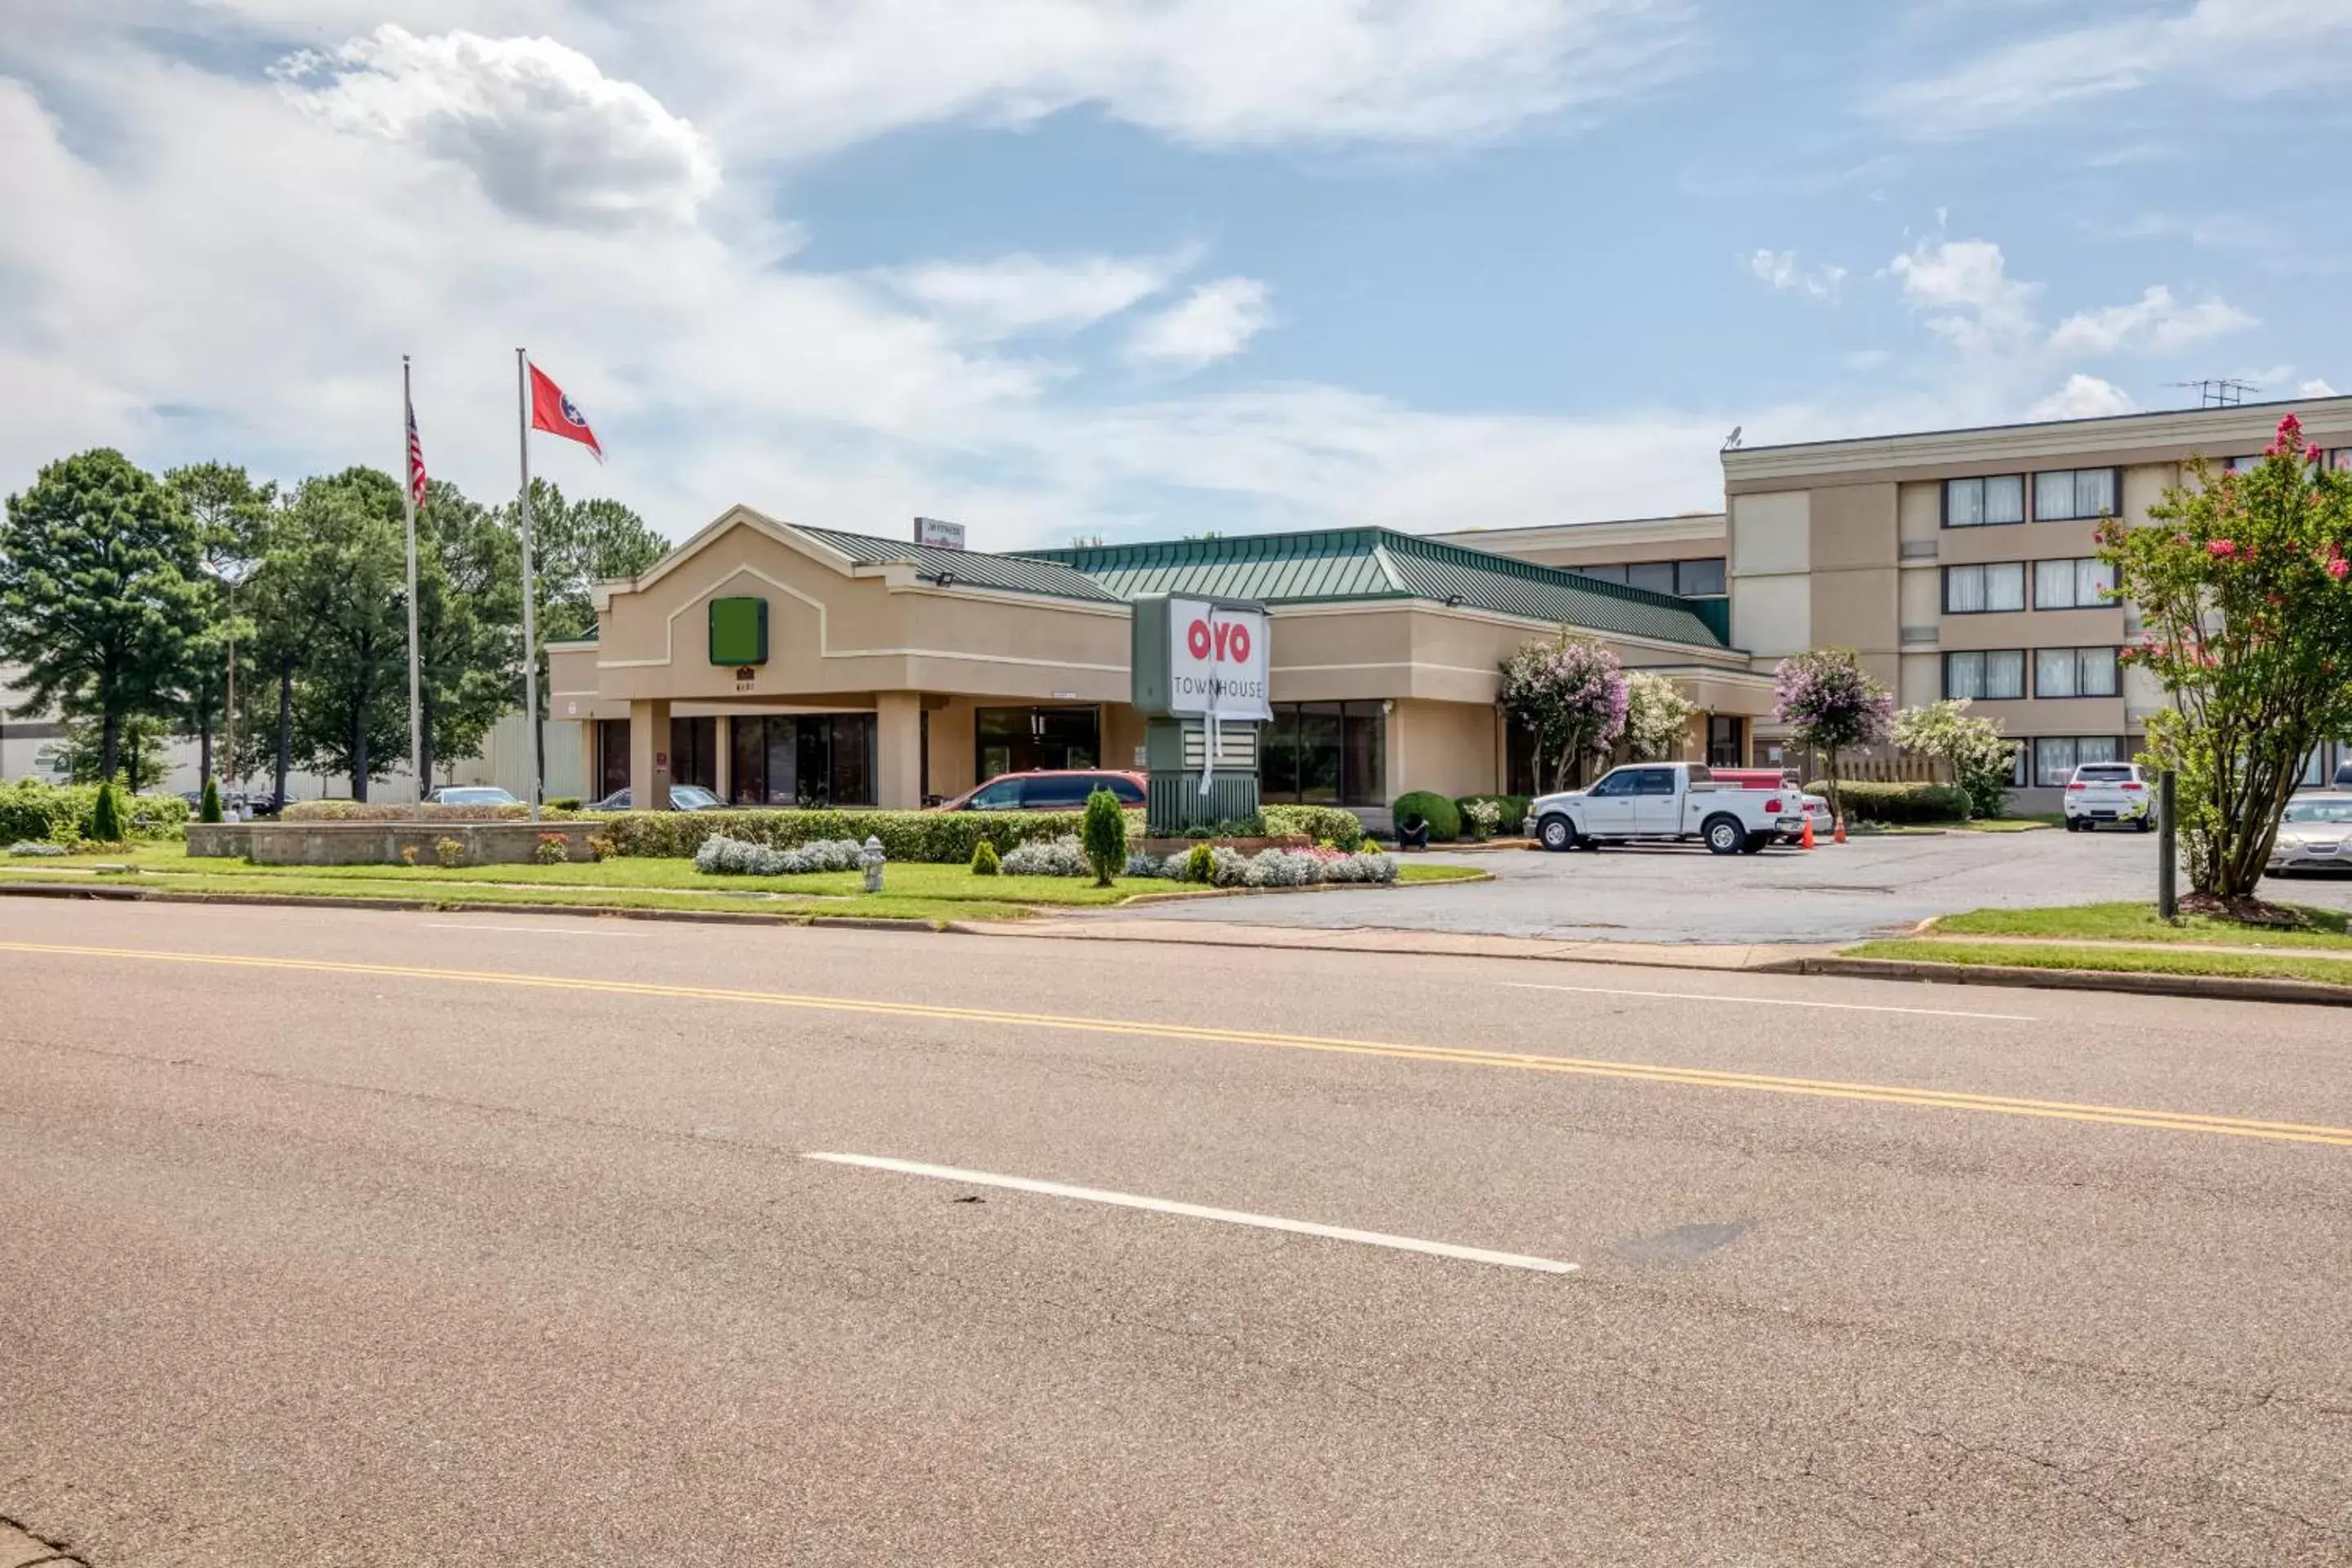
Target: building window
{"points": [[1699, 579], [801, 760], [2074, 672], [2082, 582], [1023, 740], [1982, 590], [2071, 493], [694, 751], [1727, 741], [1657, 576], [1325, 753], [2055, 757], [1995, 675], [1986, 502]]}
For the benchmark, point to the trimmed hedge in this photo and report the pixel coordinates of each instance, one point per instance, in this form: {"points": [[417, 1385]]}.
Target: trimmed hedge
{"points": [[1515, 811], [1345, 829], [375, 811], [934, 838], [1898, 802], [1445, 821], [38, 813]]}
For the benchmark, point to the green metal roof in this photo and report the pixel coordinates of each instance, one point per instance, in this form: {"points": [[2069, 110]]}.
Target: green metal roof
{"points": [[1371, 564], [968, 568]]}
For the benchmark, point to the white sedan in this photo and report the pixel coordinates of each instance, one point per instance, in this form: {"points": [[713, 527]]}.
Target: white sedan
{"points": [[2314, 835]]}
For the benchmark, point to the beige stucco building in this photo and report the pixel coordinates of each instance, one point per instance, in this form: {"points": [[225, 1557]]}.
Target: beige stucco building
{"points": [[894, 673]]}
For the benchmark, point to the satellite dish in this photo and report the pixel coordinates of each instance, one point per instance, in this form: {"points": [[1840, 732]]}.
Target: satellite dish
{"points": [[1731, 442]]}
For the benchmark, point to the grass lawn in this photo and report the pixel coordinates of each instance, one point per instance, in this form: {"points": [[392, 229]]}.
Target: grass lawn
{"points": [[2120, 960], [913, 891], [2138, 923], [2008, 823]]}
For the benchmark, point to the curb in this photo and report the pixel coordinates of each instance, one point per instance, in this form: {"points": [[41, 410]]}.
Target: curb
{"points": [[20, 1548], [1627, 954], [2210, 987], [428, 906]]}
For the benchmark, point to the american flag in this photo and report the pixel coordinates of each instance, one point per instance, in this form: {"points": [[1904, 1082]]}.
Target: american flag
{"points": [[416, 478]]}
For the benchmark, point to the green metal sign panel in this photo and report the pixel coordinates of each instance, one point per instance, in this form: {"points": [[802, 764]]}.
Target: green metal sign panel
{"points": [[739, 632]]}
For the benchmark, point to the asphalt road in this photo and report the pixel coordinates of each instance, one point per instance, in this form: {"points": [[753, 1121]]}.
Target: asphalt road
{"points": [[350, 1237], [1680, 893]]}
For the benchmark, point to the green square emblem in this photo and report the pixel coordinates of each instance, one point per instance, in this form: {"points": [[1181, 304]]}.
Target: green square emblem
{"points": [[739, 631]]}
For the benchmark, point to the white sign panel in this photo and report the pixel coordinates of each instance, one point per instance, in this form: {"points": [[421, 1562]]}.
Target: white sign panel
{"points": [[930, 532], [1217, 660]]}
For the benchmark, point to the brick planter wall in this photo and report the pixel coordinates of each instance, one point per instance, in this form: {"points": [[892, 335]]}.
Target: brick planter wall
{"points": [[380, 843]]}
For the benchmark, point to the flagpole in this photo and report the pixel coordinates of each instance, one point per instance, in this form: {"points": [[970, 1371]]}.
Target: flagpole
{"points": [[530, 619], [408, 499]]}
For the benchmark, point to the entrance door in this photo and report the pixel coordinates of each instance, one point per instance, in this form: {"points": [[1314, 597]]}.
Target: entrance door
{"points": [[1024, 740]]}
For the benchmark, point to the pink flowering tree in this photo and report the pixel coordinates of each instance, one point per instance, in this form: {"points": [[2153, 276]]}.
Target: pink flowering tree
{"points": [[1568, 693], [1830, 702], [2244, 587]]}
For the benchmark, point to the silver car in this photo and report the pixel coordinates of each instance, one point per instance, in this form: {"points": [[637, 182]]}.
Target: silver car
{"points": [[2315, 833]]}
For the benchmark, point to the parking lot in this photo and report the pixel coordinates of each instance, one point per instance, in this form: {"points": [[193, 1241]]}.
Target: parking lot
{"points": [[1670, 893]]}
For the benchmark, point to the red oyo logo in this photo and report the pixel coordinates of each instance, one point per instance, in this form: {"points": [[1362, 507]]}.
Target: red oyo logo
{"points": [[1229, 641]]}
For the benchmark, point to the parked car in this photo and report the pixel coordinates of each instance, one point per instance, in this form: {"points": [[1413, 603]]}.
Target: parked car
{"points": [[2315, 833], [1814, 806], [682, 797], [1048, 789], [1669, 801], [470, 795], [2343, 775], [2109, 792]]}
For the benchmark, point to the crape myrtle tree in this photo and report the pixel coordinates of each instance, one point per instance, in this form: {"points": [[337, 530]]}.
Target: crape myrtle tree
{"points": [[101, 595], [1982, 760], [1657, 717], [1830, 703], [2243, 583], [1569, 694]]}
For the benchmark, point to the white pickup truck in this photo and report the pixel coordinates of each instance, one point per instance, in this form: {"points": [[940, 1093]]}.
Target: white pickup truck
{"points": [[1665, 800]]}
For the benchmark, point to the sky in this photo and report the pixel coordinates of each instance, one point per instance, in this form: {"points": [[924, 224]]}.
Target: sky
{"points": [[1134, 268]]}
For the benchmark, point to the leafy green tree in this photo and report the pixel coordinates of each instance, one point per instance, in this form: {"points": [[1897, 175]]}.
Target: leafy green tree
{"points": [[1831, 703], [574, 546], [1983, 761], [232, 516], [1657, 717], [469, 631], [2244, 587], [1105, 837], [340, 573], [101, 597], [142, 747]]}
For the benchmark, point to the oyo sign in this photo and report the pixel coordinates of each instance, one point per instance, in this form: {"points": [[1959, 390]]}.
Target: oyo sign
{"points": [[1217, 659]]}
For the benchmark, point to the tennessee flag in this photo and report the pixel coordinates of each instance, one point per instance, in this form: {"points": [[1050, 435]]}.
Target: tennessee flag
{"points": [[552, 412]]}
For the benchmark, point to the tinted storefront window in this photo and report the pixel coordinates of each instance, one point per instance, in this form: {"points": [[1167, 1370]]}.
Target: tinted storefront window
{"points": [[1325, 753], [806, 759], [1024, 740]]}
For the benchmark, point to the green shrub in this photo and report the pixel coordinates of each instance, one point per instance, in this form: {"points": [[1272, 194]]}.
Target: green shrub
{"points": [[1105, 837], [930, 837], [32, 811], [210, 811], [377, 811], [106, 817], [1200, 864], [984, 861], [1514, 809], [1444, 822], [1342, 829], [1898, 802], [450, 852], [564, 802], [552, 849]]}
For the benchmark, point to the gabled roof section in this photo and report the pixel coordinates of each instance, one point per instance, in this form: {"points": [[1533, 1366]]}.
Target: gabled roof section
{"points": [[1345, 565], [965, 568]]}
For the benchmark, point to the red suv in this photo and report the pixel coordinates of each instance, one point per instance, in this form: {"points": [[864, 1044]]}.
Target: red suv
{"points": [[1060, 789]]}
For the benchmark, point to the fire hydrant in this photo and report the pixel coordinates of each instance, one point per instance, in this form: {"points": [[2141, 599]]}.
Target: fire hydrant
{"points": [[871, 858]]}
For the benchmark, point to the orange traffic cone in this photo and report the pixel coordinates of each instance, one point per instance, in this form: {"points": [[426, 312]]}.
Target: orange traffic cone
{"points": [[1807, 841], [1840, 833]]}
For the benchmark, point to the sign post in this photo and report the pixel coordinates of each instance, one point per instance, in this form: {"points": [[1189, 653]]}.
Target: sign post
{"points": [[1200, 679]]}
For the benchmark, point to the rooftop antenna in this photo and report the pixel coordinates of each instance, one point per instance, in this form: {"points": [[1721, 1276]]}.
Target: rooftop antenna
{"points": [[2226, 393], [1731, 442]]}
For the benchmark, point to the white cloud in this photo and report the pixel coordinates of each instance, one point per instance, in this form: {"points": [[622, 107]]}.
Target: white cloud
{"points": [[2316, 387], [2269, 45], [1965, 286], [1025, 293], [1780, 269], [2155, 322], [2083, 398], [546, 133], [1215, 321]]}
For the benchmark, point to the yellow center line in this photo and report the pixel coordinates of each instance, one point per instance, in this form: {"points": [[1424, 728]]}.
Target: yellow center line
{"points": [[1645, 1072]]}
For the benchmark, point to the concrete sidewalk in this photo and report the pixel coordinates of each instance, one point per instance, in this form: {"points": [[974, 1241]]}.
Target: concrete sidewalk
{"points": [[1387, 939]]}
